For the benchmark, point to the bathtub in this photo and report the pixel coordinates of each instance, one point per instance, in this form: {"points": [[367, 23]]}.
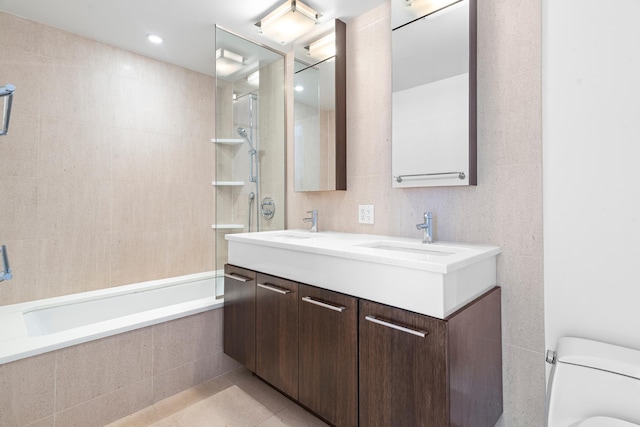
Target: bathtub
{"points": [[36, 327]]}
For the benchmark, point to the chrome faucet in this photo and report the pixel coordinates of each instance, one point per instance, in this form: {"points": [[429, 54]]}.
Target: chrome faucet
{"points": [[313, 220], [427, 227], [5, 273]]}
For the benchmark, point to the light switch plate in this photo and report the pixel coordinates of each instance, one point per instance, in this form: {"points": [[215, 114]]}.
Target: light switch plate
{"points": [[365, 214]]}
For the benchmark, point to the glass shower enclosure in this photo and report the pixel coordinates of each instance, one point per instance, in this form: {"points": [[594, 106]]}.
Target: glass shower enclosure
{"points": [[250, 141]]}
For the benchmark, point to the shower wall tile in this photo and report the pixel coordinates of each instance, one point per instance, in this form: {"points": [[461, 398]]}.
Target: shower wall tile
{"points": [[46, 422], [188, 251], [138, 257], [66, 49], [19, 147], [140, 206], [96, 368], [102, 143], [73, 206], [21, 68], [139, 156], [70, 150], [18, 210], [74, 262], [21, 255], [18, 33]]}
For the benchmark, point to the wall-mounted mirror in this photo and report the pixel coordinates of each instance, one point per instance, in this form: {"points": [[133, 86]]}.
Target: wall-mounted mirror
{"points": [[320, 117], [434, 93]]}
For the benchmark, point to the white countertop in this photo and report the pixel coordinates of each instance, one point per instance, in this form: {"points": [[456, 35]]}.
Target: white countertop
{"points": [[433, 279], [359, 247]]}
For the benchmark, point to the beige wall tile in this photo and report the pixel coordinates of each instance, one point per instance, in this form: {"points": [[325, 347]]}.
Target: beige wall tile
{"points": [[19, 209], [522, 301], [73, 207], [69, 150], [138, 257], [23, 257], [186, 340], [190, 251], [27, 390], [21, 68], [18, 151], [73, 263], [46, 422], [524, 387], [107, 408], [18, 33], [139, 156], [96, 368], [139, 206]]}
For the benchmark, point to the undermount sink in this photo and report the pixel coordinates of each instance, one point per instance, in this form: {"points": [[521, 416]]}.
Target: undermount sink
{"points": [[433, 279], [420, 249]]}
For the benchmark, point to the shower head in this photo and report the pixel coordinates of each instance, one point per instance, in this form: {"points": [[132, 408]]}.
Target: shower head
{"points": [[243, 133]]}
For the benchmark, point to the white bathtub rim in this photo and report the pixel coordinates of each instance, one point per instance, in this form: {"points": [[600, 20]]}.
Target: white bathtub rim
{"points": [[16, 344]]}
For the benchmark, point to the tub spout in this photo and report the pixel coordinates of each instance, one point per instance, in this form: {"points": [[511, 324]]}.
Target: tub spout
{"points": [[5, 274]]}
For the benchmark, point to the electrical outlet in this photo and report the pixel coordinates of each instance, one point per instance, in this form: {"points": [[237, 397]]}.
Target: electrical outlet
{"points": [[365, 214]]}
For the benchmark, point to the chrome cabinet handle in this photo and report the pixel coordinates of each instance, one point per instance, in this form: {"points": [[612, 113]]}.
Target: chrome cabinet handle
{"points": [[274, 288], [337, 308], [374, 319], [237, 277]]}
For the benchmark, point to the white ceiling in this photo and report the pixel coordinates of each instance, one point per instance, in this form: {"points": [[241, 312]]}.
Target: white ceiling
{"points": [[187, 26]]}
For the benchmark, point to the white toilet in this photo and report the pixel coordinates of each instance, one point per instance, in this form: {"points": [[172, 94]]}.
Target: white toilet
{"points": [[593, 384]]}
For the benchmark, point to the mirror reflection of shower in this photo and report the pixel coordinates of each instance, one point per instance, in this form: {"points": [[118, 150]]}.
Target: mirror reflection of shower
{"points": [[253, 173], [246, 120]]}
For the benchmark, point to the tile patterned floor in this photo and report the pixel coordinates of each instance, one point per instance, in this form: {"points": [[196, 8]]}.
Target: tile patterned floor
{"points": [[237, 399]]}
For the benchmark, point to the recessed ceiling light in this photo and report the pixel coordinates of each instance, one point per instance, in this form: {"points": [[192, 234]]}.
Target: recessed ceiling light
{"points": [[299, 88], [154, 39]]}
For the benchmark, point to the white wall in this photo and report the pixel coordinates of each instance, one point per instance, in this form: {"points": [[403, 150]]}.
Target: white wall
{"points": [[591, 162]]}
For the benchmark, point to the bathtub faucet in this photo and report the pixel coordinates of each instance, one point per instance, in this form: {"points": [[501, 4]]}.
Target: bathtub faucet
{"points": [[5, 274]]}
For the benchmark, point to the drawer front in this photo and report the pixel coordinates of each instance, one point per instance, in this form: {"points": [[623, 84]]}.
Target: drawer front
{"points": [[277, 333], [240, 315], [403, 368], [328, 371]]}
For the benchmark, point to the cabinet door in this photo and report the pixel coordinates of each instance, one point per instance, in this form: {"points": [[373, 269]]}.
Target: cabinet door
{"points": [[240, 315], [277, 333], [328, 372], [403, 371]]}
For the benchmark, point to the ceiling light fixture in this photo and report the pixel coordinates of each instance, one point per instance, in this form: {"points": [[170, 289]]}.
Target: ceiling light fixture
{"points": [[421, 8], [288, 22], [253, 79], [299, 88], [324, 47], [228, 62], [155, 39]]}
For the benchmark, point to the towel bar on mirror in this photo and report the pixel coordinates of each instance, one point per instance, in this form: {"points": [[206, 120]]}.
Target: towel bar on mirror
{"points": [[399, 178]]}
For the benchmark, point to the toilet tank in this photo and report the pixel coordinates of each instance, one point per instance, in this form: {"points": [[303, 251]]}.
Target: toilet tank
{"points": [[592, 379]]}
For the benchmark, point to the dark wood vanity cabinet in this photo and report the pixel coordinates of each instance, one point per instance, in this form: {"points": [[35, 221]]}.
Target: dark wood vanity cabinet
{"points": [[240, 315], [277, 333], [328, 370], [417, 370], [356, 362]]}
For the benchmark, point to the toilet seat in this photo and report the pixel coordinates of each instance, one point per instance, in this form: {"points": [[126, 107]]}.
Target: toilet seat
{"points": [[604, 422]]}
